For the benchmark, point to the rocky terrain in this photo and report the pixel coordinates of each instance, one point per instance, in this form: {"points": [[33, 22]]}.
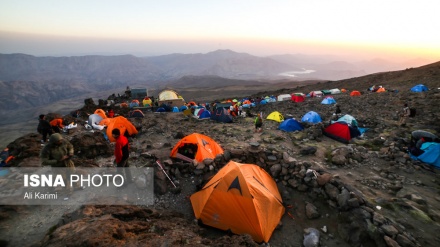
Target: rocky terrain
{"points": [[367, 193]]}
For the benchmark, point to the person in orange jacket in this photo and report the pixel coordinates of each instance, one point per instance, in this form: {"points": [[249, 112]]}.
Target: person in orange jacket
{"points": [[57, 125]]}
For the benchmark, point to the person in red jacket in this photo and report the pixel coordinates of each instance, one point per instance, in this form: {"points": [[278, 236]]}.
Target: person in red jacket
{"points": [[122, 154], [57, 125], [111, 113]]}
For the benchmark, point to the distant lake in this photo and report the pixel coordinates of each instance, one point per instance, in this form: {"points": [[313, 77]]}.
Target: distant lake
{"points": [[296, 73]]}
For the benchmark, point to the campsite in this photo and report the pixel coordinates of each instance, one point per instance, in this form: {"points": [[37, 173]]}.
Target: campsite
{"points": [[359, 189]]}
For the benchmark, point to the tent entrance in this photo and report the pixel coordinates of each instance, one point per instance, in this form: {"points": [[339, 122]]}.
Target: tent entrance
{"points": [[187, 152]]}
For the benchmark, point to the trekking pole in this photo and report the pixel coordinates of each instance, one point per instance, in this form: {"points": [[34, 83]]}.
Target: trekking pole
{"points": [[161, 168]]}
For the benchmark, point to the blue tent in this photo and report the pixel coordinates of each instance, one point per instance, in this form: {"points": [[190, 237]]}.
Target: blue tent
{"points": [[175, 109], [328, 101], [221, 115], [134, 104], [348, 119], [431, 154], [311, 117], [161, 109], [419, 88], [182, 108], [290, 125], [263, 102], [205, 114]]}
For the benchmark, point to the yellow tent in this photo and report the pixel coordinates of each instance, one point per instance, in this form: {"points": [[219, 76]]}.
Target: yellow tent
{"points": [[242, 198], [275, 116]]}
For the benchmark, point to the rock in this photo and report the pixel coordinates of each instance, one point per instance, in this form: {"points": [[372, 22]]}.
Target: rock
{"points": [[404, 241], [389, 230], [324, 178], [308, 150], [418, 199], [311, 237], [312, 211], [339, 160], [390, 242], [378, 219], [275, 170], [343, 199], [331, 191]]}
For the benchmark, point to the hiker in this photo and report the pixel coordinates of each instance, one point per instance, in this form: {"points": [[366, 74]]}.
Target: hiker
{"points": [[58, 152], [404, 115], [57, 125], [44, 128], [111, 113], [258, 123], [338, 110], [240, 110], [121, 154]]}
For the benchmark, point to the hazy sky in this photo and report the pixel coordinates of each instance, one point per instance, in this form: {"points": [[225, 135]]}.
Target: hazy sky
{"points": [[374, 28]]}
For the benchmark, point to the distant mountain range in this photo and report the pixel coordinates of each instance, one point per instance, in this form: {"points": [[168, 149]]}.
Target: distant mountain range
{"points": [[29, 81]]}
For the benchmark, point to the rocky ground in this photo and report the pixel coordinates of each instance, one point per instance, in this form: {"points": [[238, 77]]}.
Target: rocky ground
{"points": [[367, 193]]}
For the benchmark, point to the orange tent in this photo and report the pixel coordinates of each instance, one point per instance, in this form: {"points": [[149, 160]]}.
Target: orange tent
{"points": [[120, 123], [343, 90], [355, 93], [101, 113], [206, 147], [241, 197], [381, 90]]}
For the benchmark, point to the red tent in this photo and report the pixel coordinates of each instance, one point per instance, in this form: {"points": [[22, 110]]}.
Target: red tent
{"points": [[298, 98], [355, 93], [341, 131]]}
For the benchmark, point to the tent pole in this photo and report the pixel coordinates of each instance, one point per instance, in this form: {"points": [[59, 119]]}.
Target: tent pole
{"points": [[161, 168]]}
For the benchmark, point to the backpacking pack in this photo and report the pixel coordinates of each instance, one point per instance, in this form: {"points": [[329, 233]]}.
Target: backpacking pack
{"points": [[412, 112]]}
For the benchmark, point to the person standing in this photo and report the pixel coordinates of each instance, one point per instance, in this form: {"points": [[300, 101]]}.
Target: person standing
{"points": [[404, 115], [258, 123], [57, 125], [122, 154], [44, 128], [58, 153]]}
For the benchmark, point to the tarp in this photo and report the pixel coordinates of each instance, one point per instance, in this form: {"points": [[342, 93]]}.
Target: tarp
{"points": [[341, 132], [242, 198], [311, 117], [419, 88], [290, 124], [206, 147], [275, 116], [94, 120], [121, 123]]}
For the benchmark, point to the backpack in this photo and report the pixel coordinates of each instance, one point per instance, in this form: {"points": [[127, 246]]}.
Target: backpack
{"points": [[412, 112]]}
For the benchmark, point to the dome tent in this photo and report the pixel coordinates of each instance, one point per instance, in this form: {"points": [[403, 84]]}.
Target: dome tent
{"points": [[275, 116], [311, 117], [290, 124], [419, 88], [242, 198], [203, 147]]}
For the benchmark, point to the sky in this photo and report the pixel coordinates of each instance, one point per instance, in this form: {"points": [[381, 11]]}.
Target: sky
{"points": [[387, 29]]}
